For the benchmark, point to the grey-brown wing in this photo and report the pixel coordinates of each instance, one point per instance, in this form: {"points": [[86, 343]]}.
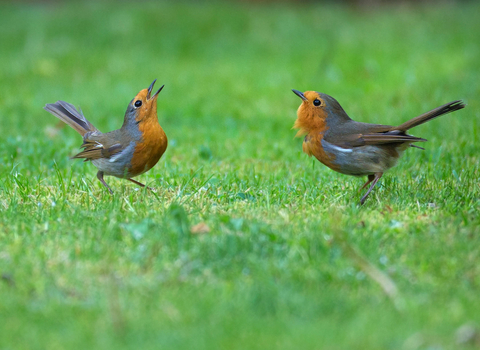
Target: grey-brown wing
{"points": [[97, 145], [357, 134], [358, 140]]}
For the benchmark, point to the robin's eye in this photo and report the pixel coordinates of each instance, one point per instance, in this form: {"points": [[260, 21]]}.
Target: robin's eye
{"points": [[317, 102], [138, 103]]}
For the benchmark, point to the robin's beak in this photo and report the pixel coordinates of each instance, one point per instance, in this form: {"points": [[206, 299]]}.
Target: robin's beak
{"points": [[300, 94], [150, 88]]}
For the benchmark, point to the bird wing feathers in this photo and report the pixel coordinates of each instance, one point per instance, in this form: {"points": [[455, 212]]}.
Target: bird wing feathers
{"points": [[96, 145], [384, 138], [369, 135]]}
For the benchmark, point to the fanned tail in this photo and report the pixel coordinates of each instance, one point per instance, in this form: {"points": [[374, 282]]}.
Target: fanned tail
{"points": [[434, 113], [69, 114]]}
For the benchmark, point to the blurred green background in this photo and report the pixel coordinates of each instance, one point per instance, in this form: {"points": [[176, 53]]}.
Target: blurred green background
{"points": [[247, 243]]}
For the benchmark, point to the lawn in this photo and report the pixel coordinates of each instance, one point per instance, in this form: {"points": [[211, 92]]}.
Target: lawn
{"points": [[247, 243]]}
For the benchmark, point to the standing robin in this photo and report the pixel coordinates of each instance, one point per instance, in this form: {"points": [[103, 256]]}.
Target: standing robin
{"points": [[127, 152], [351, 147]]}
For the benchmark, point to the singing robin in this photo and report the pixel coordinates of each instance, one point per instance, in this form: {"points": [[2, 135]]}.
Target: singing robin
{"points": [[127, 152], [354, 148]]}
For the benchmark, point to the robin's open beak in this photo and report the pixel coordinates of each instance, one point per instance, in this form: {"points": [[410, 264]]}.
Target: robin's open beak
{"points": [[300, 94], [150, 88]]}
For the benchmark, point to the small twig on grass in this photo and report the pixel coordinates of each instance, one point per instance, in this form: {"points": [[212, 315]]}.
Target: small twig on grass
{"points": [[386, 283]]}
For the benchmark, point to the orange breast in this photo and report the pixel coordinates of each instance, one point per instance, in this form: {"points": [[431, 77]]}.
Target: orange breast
{"points": [[312, 145], [149, 150]]}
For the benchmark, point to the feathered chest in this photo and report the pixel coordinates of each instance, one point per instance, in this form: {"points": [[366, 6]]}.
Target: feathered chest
{"points": [[151, 146]]}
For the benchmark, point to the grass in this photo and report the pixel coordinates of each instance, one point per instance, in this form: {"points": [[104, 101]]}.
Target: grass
{"points": [[287, 259]]}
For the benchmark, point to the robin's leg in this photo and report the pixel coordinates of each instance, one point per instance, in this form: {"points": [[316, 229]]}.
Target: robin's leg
{"points": [[370, 179], [140, 184], [100, 177], [376, 177]]}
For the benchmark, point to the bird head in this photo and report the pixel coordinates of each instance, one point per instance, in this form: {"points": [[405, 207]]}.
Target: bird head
{"points": [[143, 106], [316, 112]]}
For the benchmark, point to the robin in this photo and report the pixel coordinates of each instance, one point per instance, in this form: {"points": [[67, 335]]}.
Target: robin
{"points": [[354, 148], [127, 152]]}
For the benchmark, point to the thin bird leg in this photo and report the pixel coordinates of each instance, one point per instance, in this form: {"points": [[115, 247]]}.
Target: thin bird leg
{"points": [[100, 177], [370, 179], [374, 182], [140, 184]]}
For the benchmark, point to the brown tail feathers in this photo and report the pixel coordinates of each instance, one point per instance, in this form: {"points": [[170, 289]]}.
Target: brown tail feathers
{"points": [[69, 114], [434, 113]]}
